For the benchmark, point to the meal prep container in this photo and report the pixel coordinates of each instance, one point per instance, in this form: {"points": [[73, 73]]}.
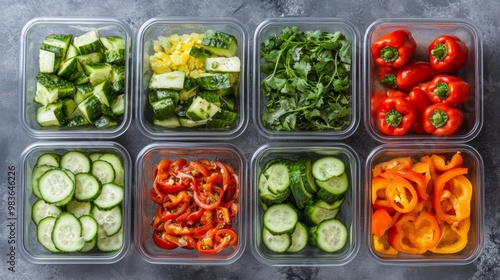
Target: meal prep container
{"points": [[165, 27], [33, 34], [350, 211], [29, 247], [273, 27], [471, 160], [424, 31], [145, 209]]}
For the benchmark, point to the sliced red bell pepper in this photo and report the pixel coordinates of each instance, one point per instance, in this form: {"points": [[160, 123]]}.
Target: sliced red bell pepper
{"points": [[452, 196], [162, 243], [419, 99], [394, 48], [447, 89], [409, 76], [395, 116], [448, 53], [441, 119]]}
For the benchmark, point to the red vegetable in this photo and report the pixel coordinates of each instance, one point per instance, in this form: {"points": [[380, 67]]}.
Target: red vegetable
{"points": [[419, 99], [408, 76], [441, 119], [396, 116], [450, 90], [447, 54], [394, 48]]}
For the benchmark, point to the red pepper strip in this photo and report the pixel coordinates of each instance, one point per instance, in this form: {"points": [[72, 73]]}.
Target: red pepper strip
{"points": [[420, 101], [226, 233], [409, 76], [452, 195], [426, 233], [398, 235], [209, 200], [193, 181], [441, 119], [196, 167], [395, 116], [400, 163], [174, 228], [205, 249], [183, 241], [156, 197], [206, 217], [165, 183], [171, 214], [162, 243], [226, 176], [419, 180], [176, 165], [381, 245], [201, 230], [442, 165], [454, 237], [448, 54], [401, 195], [163, 167], [381, 221], [222, 214], [394, 48], [195, 212], [450, 90], [233, 208], [175, 200]]}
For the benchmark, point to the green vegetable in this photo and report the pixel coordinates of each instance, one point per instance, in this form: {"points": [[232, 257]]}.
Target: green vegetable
{"points": [[307, 80]]}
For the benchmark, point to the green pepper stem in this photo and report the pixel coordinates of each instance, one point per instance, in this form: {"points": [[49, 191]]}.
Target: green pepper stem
{"points": [[393, 118], [441, 90], [389, 80], [439, 51], [438, 118], [389, 54]]}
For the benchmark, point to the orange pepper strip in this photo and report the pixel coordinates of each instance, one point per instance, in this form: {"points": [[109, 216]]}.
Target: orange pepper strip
{"points": [[454, 238], [452, 196], [419, 180], [381, 221], [427, 232], [381, 245], [424, 169], [443, 166], [401, 195], [401, 163], [398, 235]]}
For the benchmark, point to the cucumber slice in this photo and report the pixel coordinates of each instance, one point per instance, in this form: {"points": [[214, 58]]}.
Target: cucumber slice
{"points": [[266, 196], [327, 167], [301, 195], [330, 235], [315, 215], [103, 171], [56, 186], [78, 208], [44, 233], [117, 164], [278, 243], [95, 156], [111, 243], [278, 177], [89, 228], [333, 189], [41, 210], [299, 238], [76, 162], [305, 165], [111, 196], [38, 171], [335, 205], [223, 64], [87, 187], [49, 159], [110, 221], [67, 233], [280, 218], [172, 122], [89, 245]]}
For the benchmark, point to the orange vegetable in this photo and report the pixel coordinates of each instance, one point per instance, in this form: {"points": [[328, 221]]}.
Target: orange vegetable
{"points": [[381, 221]]}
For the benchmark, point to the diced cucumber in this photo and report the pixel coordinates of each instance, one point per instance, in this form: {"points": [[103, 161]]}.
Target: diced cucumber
{"points": [[278, 243], [222, 119], [199, 53], [72, 52], [105, 122], [68, 106], [98, 72], [58, 44], [108, 220], [163, 109], [89, 227], [82, 92], [103, 171], [299, 238], [330, 235], [67, 68], [228, 102], [111, 196], [87, 187], [211, 97], [113, 42], [185, 122], [50, 159], [117, 78], [41, 210], [76, 162], [201, 109], [223, 64], [333, 189], [45, 94], [107, 243], [219, 43], [67, 233], [280, 218], [78, 208], [115, 49], [168, 80], [88, 43], [327, 167], [90, 58], [118, 107], [44, 233], [117, 164], [171, 122], [48, 62], [104, 92], [161, 94], [91, 108], [77, 121], [215, 81], [51, 115], [189, 89]]}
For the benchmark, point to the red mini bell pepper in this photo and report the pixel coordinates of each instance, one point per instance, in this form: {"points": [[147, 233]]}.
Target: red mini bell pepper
{"points": [[408, 76], [447, 54], [447, 89], [395, 116], [394, 48], [441, 119], [420, 101]]}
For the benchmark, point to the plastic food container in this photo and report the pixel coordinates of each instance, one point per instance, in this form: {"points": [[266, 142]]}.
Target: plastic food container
{"points": [[145, 208], [273, 27], [149, 32], [29, 247], [424, 31], [471, 160], [33, 34], [350, 211]]}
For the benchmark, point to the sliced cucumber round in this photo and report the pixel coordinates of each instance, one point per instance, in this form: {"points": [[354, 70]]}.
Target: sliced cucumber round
{"points": [[103, 171], [56, 186], [327, 167], [76, 162], [109, 220], [44, 233], [89, 228], [87, 187], [67, 233], [78, 208], [42, 209], [276, 242], [111, 196], [330, 235], [111, 243], [299, 238], [280, 218]]}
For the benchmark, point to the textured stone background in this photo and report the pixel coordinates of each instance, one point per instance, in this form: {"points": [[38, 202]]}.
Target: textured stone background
{"points": [[13, 140]]}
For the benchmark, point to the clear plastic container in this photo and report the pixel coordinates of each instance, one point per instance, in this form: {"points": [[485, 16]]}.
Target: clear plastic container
{"points": [[145, 208], [424, 31], [471, 160], [29, 247], [273, 27], [149, 32], [32, 36], [350, 211]]}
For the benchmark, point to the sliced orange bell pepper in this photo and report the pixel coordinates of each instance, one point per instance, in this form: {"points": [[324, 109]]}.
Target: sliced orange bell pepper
{"points": [[418, 180], [381, 221], [425, 170], [395, 164], [452, 196], [426, 233], [401, 195], [454, 238], [442, 165], [399, 238], [381, 245]]}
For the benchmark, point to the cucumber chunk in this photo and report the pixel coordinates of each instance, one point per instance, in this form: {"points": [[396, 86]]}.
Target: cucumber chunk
{"points": [[88, 43], [280, 218], [51, 115], [219, 43], [201, 109], [223, 64], [168, 80]]}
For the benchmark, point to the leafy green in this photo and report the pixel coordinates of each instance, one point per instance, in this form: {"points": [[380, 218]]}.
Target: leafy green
{"points": [[307, 80]]}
